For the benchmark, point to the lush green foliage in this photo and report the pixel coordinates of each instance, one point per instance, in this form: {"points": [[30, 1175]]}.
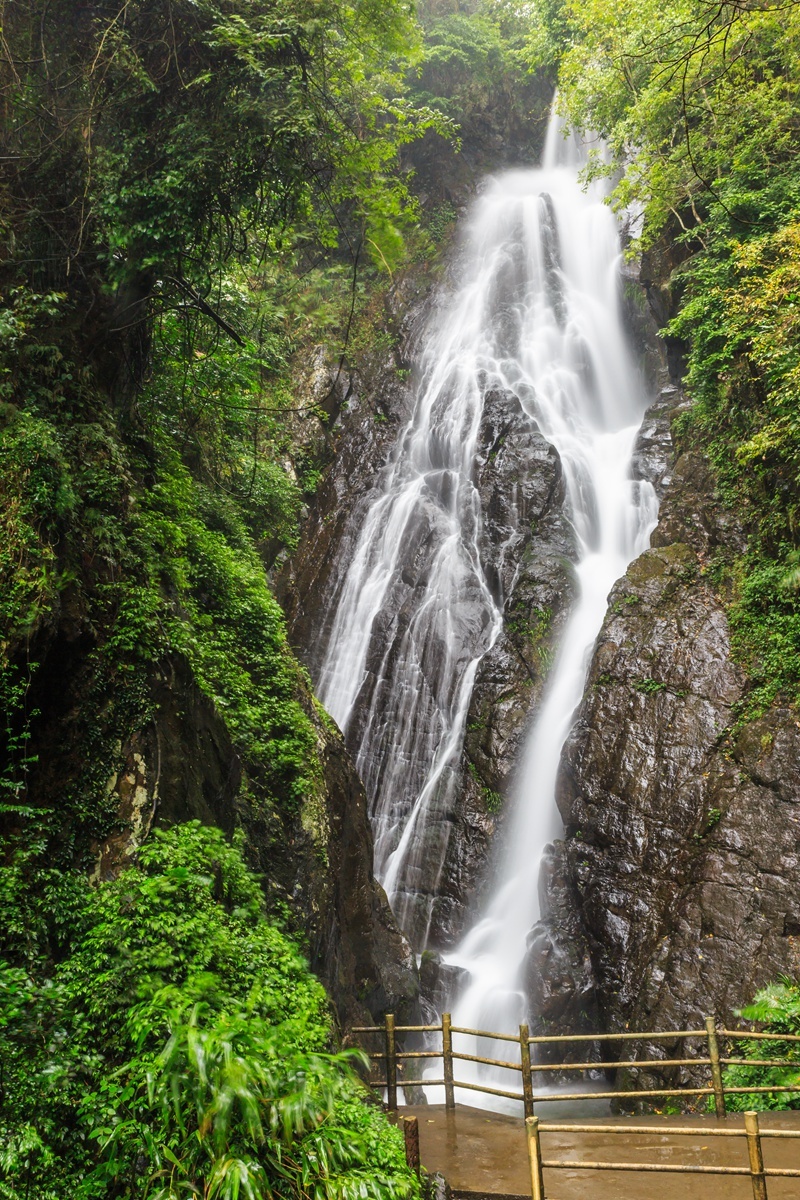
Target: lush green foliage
{"points": [[777, 1008], [192, 192], [169, 172], [177, 1047], [185, 186], [696, 97], [698, 101], [190, 130], [170, 568], [473, 69], [471, 60]]}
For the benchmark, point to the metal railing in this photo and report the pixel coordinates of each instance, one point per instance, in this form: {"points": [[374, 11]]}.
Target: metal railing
{"points": [[527, 1067], [755, 1170]]}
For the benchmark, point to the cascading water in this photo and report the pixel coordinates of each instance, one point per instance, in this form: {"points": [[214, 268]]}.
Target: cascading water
{"points": [[588, 402], [537, 315]]}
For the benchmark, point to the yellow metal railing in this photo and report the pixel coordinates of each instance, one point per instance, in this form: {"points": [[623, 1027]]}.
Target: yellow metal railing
{"points": [[528, 1068], [755, 1169]]}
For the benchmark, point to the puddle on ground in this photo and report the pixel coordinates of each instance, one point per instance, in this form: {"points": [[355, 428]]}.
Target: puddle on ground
{"points": [[486, 1152]]}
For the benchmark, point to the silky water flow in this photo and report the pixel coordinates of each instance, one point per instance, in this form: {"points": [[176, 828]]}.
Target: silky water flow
{"points": [[537, 314]]}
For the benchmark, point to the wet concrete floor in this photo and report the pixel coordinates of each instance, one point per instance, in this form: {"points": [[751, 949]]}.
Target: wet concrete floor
{"points": [[485, 1152]]}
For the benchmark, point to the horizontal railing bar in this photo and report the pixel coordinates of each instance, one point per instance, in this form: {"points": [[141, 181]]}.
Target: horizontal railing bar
{"points": [[631, 1130], [770, 1037], [407, 1054], [541, 1097], [570, 1164], [490, 1062], [551, 1097], [667, 1130], [584, 1037], [397, 1029], [496, 1037], [407, 1083], [760, 1062], [477, 1087], [616, 1037], [666, 1168], [746, 1091], [626, 1062]]}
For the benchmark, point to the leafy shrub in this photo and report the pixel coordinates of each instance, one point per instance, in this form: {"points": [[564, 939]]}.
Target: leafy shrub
{"points": [[777, 1008], [179, 1047]]}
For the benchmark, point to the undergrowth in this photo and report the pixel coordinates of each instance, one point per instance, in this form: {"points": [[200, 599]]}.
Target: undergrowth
{"points": [[176, 1045]]}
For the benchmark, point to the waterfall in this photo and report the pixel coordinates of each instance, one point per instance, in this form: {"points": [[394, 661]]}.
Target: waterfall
{"points": [[589, 402], [536, 313]]}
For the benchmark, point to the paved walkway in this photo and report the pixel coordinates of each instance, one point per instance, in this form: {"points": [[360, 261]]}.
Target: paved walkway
{"points": [[486, 1152]]}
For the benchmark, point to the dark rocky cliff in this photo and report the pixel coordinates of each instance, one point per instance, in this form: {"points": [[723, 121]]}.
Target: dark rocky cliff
{"points": [[674, 892], [681, 855], [527, 553]]}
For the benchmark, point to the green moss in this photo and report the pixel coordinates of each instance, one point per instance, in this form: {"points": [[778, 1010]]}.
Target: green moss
{"points": [[217, 609], [533, 626], [492, 800], [648, 686]]}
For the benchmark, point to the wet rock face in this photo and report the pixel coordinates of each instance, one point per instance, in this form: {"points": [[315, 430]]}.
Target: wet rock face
{"points": [[369, 408], [357, 948], [559, 976], [528, 550], [526, 547], [681, 861]]}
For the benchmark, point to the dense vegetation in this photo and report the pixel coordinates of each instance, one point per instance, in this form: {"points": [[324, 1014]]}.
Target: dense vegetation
{"points": [[699, 100], [193, 193], [777, 1009], [180, 1049]]}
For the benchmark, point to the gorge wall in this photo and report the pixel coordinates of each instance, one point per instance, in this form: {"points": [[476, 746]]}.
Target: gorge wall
{"points": [[526, 553], [673, 892]]}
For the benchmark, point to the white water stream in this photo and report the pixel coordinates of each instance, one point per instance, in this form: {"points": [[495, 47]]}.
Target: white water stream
{"points": [[537, 314]]}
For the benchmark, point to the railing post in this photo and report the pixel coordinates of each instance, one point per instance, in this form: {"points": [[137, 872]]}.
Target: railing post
{"points": [[391, 1064], [411, 1135], [535, 1158], [527, 1081], [756, 1158], [447, 1061], [716, 1069]]}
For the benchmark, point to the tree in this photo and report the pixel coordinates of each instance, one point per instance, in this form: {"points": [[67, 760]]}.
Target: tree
{"points": [[149, 142]]}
